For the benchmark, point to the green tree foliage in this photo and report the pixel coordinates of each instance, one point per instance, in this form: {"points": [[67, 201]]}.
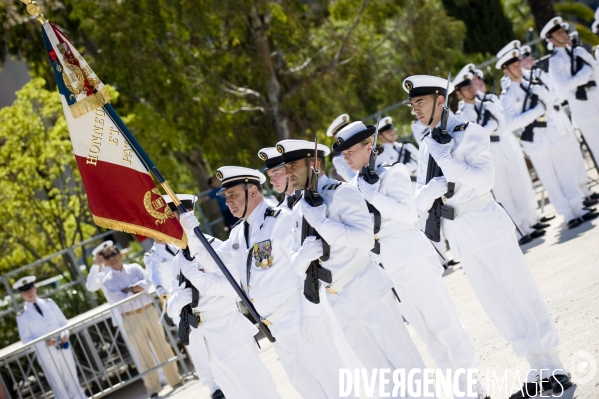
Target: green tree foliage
{"points": [[44, 208], [487, 27]]}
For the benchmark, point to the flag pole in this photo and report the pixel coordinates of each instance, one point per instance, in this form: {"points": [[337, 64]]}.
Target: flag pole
{"points": [[143, 156], [34, 9]]}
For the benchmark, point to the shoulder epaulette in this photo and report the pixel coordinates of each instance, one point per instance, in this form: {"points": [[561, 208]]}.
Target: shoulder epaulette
{"points": [[426, 134], [272, 212], [503, 91], [150, 252], [461, 127], [236, 223], [20, 312], [332, 186], [210, 241], [458, 112]]}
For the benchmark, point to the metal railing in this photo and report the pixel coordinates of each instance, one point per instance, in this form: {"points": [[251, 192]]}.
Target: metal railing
{"points": [[104, 363]]}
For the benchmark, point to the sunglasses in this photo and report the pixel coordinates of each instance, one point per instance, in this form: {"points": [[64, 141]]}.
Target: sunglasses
{"points": [[112, 255]]}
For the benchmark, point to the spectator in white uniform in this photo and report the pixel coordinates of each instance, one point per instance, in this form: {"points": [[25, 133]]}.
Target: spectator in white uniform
{"points": [[38, 318]]}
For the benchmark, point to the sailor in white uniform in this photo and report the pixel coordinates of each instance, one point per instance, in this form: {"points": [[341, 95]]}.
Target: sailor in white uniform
{"points": [[159, 265], [393, 152], [38, 318], [575, 72], [529, 107], [489, 115], [572, 145], [481, 232], [407, 255], [259, 249], [339, 163], [275, 169], [359, 290]]}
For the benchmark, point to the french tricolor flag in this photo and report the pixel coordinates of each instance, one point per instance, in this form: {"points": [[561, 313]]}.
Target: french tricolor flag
{"points": [[121, 193]]}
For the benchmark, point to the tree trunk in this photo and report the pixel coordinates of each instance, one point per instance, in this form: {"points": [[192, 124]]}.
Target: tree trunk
{"points": [[543, 11], [195, 162], [259, 26]]}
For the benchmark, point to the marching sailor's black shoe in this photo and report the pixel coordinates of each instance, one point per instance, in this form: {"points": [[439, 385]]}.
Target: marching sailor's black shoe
{"points": [[537, 233], [594, 196], [545, 219], [590, 202], [540, 226], [559, 383], [525, 239], [574, 223], [218, 394], [589, 216], [531, 389]]}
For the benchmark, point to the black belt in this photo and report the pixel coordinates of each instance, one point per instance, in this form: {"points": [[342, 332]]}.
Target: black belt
{"points": [[494, 138], [556, 107], [413, 178]]}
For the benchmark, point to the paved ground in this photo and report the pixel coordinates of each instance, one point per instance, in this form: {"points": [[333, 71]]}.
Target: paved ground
{"points": [[565, 265]]}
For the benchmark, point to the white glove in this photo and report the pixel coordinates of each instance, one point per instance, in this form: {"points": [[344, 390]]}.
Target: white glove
{"points": [[368, 190], [313, 214], [438, 151], [310, 250], [161, 291], [178, 300], [544, 96], [188, 221], [585, 55], [311, 329], [426, 195]]}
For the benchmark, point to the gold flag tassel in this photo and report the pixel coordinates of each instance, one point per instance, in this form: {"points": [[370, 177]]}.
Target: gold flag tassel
{"points": [[135, 229], [90, 103]]}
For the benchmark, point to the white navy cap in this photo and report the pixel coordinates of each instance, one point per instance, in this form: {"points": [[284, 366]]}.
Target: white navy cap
{"points": [[351, 135], [574, 34], [102, 247], [187, 200], [463, 79], [479, 73], [24, 284], [508, 58], [525, 51], [292, 150], [231, 176], [339, 123], [566, 26], [551, 26], [272, 158], [421, 85], [513, 45], [385, 123], [595, 25], [467, 68]]}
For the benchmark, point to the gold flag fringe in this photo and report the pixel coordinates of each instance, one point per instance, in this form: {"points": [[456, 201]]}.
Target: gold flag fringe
{"points": [[144, 231], [90, 103]]}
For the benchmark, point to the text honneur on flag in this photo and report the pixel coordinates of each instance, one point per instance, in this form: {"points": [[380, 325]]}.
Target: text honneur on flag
{"points": [[114, 168]]}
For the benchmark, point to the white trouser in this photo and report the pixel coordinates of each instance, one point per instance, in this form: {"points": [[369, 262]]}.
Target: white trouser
{"points": [[440, 246], [242, 375], [199, 357], [312, 367], [572, 147], [559, 179], [521, 182], [381, 340], [509, 186], [61, 372], [505, 287]]}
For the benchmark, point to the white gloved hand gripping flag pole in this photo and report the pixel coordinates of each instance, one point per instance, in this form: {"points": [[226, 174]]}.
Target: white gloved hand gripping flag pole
{"points": [[114, 168]]}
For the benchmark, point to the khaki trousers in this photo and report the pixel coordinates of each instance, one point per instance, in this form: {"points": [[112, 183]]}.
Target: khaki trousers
{"points": [[143, 328]]}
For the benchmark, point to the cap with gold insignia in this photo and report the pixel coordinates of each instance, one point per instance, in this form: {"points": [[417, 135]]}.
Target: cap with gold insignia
{"points": [[271, 157], [513, 45], [479, 73], [421, 85], [462, 80], [102, 247], [231, 176], [339, 123], [353, 134], [525, 51], [187, 200], [385, 123], [507, 59], [551, 26], [292, 150], [566, 26], [24, 284]]}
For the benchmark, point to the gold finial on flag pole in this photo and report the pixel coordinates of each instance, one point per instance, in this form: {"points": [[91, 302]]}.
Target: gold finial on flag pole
{"points": [[34, 9]]}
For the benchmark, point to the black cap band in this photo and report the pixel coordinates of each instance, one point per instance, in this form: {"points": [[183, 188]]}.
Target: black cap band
{"points": [[341, 145], [290, 156], [555, 28], [26, 287]]}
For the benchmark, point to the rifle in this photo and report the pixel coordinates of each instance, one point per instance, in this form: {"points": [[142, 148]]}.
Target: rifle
{"points": [[486, 115], [188, 318], [315, 271], [433, 222], [368, 171], [528, 133]]}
